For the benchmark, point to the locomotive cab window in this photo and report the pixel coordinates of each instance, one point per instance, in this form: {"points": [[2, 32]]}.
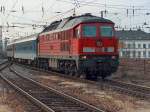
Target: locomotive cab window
{"points": [[89, 31], [106, 31]]}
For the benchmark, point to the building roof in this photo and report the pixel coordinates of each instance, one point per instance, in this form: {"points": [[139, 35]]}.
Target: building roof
{"points": [[73, 21], [132, 35]]}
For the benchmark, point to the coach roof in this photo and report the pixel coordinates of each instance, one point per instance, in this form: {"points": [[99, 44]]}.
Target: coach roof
{"points": [[23, 39]]}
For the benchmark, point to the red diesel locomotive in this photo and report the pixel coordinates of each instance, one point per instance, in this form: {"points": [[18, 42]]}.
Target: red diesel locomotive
{"points": [[83, 45]]}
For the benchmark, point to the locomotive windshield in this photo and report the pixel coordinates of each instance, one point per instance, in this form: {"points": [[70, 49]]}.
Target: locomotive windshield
{"points": [[106, 31], [89, 31]]}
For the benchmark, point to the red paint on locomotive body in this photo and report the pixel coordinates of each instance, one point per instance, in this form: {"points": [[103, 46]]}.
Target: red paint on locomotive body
{"points": [[72, 42], [55, 43], [84, 44], [81, 45], [98, 43]]}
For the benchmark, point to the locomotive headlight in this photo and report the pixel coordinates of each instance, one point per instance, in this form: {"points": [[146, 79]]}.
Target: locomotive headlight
{"points": [[84, 57], [109, 49], [113, 57], [88, 49]]}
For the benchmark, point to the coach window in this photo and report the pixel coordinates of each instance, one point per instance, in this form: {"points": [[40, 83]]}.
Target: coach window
{"points": [[106, 31], [89, 31]]}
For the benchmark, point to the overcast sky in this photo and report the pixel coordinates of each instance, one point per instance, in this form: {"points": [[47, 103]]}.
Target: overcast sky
{"points": [[42, 11]]}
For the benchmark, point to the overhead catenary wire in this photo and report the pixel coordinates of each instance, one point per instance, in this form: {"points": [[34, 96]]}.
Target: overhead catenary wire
{"points": [[97, 4], [132, 11], [11, 9], [43, 9]]}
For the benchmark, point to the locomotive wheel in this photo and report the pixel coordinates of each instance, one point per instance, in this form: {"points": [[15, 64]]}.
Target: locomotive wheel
{"points": [[73, 71], [95, 77], [88, 76], [91, 76], [78, 74], [104, 75], [66, 70]]}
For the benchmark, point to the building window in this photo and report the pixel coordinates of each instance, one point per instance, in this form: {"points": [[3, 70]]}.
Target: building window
{"points": [[123, 54], [139, 45], [134, 54], [144, 45], [149, 54], [129, 46], [134, 46], [128, 54], [144, 54], [139, 54], [148, 45], [125, 45]]}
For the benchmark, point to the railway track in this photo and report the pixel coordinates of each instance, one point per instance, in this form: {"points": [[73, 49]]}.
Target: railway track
{"points": [[30, 107], [48, 99], [1, 63], [134, 90], [4, 65], [129, 89]]}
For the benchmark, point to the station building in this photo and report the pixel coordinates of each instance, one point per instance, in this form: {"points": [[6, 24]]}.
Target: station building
{"points": [[134, 44]]}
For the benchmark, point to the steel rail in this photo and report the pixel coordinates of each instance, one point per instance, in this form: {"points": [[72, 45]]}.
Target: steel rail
{"points": [[34, 100], [82, 105], [138, 90], [123, 87], [5, 65]]}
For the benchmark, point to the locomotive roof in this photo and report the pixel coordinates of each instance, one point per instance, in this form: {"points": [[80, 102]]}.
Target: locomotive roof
{"points": [[73, 21]]}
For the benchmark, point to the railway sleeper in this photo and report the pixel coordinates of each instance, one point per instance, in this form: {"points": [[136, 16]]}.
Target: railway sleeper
{"points": [[62, 104], [69, 109]]}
